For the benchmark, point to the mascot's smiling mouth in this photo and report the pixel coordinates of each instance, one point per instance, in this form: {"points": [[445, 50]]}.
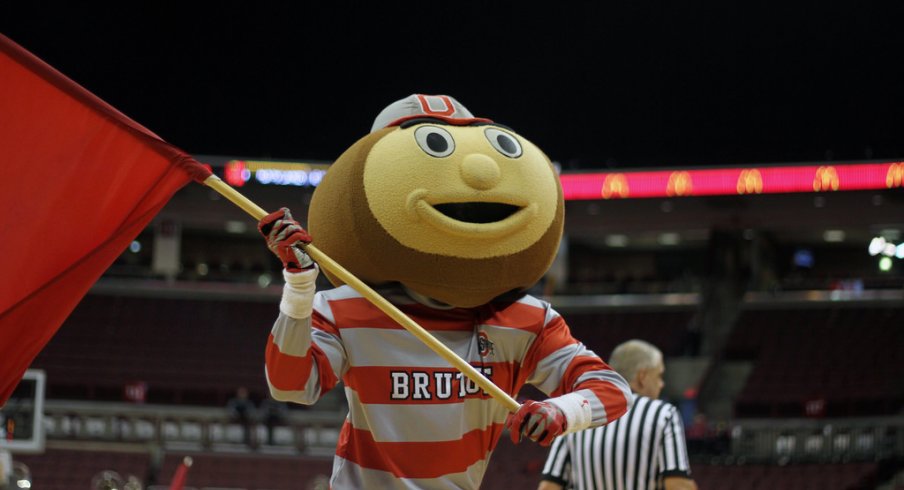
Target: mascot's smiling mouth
{"points": [[477, 212], [474, 219]]}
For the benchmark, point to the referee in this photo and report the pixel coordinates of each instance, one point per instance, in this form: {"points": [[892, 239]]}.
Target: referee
{"points": [[642, 450]]}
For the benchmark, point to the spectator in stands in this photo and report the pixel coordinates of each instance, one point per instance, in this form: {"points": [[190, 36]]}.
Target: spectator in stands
{"points": [[697, 432], [273, 412], [241, 410], [643, 450]]}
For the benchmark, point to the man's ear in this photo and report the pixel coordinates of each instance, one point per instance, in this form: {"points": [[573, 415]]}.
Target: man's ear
{"points": [[639, 380]]}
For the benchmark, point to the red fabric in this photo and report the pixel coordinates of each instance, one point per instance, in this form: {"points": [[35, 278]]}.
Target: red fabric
{"points": [[180, 477], [81, 181], [416, 459]]}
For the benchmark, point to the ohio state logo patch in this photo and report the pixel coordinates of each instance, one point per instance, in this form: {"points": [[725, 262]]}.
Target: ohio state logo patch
{"points": [[485, 346]]}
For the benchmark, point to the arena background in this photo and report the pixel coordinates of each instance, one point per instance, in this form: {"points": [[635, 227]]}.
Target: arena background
{"points": [[780, 314]]}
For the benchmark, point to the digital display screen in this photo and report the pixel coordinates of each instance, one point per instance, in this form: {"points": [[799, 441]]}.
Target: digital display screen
{"points": [[732, 181], [803, 257]]}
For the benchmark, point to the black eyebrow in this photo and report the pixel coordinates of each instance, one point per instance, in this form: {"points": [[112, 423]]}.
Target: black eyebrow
{"points": [[503, 126], [422, 120], [440, 122]]}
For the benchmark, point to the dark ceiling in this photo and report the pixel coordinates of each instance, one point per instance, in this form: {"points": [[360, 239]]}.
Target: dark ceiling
{"points": [[595, 84]]}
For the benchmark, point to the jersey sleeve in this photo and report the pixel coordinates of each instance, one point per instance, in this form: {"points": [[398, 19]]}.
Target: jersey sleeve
{"points": [[558, 462], [305, 357], [561, 366], [672, 453]]}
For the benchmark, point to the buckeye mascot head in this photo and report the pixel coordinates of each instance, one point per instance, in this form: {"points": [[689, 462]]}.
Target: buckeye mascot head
{"points": [[453, 207]]}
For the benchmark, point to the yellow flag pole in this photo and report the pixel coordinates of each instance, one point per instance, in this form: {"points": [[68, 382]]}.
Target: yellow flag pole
{"points": [[380, 302]]}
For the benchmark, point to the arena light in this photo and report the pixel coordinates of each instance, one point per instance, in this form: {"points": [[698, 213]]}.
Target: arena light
{"points": [[733, 181], [885, 264], [238, 172], [669, 239], [202, 269], [617, 240], [264, 280], [880, 246], [235, 226]]}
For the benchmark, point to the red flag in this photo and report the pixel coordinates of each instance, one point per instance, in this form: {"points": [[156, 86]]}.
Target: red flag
{"points": [[80, 182], [181, 475]]}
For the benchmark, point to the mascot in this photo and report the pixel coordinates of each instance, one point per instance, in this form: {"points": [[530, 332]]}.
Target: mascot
{"points": [[451, 218]]}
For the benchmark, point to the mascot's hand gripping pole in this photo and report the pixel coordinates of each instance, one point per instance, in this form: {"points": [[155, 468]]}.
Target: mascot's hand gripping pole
{"points": [[385, 306]]}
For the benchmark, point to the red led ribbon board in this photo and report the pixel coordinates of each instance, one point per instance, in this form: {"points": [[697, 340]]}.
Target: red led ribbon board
{"points": [[733, 181]]}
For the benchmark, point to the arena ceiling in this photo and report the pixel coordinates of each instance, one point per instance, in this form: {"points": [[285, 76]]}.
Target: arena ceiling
{"points": [[594, 84]]}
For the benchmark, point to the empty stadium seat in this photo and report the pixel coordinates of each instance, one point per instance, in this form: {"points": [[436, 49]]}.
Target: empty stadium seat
{"points": [[852, 476], [843, 358], [186, 350]]}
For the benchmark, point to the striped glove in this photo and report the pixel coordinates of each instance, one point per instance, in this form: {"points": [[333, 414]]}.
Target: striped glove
{"points": [[283, 234], [541, 422]]}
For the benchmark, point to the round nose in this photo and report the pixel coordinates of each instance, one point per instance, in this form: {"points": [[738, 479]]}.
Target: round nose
{"points": [[480, 171]]}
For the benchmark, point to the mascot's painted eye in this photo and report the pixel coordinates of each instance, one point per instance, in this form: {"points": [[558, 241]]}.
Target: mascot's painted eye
{"points": [[503, 142], [435, 141]]}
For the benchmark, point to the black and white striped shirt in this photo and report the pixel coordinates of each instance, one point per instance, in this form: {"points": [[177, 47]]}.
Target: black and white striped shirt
{"points": [[633, 453]]}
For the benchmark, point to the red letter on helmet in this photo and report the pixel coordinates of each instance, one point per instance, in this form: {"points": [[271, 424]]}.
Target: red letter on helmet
{"points": [[447, 108]]}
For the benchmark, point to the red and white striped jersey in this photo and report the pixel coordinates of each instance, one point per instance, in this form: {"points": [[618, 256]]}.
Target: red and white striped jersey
{"points": [[414, 421]]}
